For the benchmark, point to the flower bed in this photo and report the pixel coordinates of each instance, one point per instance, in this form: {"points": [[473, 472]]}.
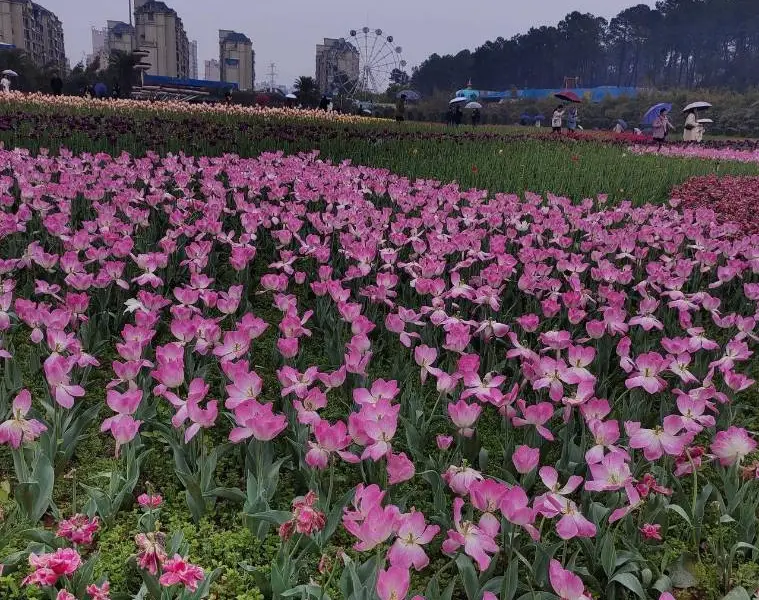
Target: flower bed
{"points": [[700, 152], [482, 394], [732, 199]]}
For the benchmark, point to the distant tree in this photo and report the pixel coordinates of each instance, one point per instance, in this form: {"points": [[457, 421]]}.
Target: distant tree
{"points": [[307, 90], [677, 44], [30, 76], [399, 77], [82, 76], [121, 70]]}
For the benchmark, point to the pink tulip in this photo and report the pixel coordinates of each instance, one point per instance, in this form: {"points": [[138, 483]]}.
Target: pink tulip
{"points": [[611, 473], [651, 532], [149, 500], [536, 415], [258, 421], [79, 529], [329, 439], [307, 408], [99, 592], [57, 372], [306, 519], [47, 568], [393, 583], [464, 416], [731, 446], [443, 441], [515, 508], [123, 428], [178, 570], [661, 440], [425, 357], [18, 429], [413, 533], [525, 459], [477, 544], [126, 403], [459, 479], [377, 527], [399, 468], [566, 584], [648, 367]]}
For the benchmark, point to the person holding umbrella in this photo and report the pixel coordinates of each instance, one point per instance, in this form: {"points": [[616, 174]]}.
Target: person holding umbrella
{"points": [[662, 126], [400, 109], [5, 84], [458, 115], [690, 133]]}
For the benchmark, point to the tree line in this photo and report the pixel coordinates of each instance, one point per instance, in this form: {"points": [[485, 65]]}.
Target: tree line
{"points": [[678, 44], [36, 78]]}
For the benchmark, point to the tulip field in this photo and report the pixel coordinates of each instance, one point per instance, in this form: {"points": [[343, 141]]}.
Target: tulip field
{"points": [[498, 159], [331, 363]]}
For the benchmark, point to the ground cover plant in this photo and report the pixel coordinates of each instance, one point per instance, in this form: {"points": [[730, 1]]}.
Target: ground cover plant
{"points": [[732, 198], [499, 159], [276, 377]]}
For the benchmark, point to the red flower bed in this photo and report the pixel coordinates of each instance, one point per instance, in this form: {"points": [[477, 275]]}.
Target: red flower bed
{"points": [[732, 198]]}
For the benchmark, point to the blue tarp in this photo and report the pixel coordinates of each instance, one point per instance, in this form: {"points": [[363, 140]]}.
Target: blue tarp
{"points": [[188, 83], [596, 94]]}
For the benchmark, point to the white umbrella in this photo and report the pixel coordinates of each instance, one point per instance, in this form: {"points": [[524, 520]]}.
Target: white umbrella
{"points": [[705, 121], [697, 106], [10, 72], [473, 105], [291, 97], [457, 100]]}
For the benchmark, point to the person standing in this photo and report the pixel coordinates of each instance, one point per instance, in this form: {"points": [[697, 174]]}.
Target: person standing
{"points": [[56, 84], [662, 127], [572, 120], [690, 133], [400, 109], [458, 116], [476, 117], [558, 118], [5, 84]]}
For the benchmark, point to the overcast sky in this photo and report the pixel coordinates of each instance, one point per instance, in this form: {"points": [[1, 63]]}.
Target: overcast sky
{"points": [[286, 31]]}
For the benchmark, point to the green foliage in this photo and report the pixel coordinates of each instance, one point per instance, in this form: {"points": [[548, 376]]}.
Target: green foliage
{"points": [[213, 544]]}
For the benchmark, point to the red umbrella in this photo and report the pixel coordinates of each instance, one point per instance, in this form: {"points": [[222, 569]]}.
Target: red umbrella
{"points": [[569, 96]]}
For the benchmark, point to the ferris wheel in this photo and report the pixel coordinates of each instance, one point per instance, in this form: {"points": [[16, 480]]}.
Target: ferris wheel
{"points": [[362, 63]]}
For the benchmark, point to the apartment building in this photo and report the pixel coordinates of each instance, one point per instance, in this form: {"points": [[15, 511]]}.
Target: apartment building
{"points": [[194, 59], [34, 29], [120, 37], [337, 62], [237, 59], [160, 32], [212, 70]]}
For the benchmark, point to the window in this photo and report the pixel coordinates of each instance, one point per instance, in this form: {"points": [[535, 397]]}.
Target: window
{"points": [[151, 17]]}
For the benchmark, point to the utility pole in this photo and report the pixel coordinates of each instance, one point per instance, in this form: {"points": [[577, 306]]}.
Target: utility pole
{"points": [[130, 13]]}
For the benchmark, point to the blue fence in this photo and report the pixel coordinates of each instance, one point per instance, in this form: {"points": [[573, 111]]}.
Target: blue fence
{"points": [[596, 94], [188, 83]]}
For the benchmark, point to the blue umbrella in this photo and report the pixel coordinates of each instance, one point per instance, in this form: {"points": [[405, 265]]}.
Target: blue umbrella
{"points": [[411, 95], [653, 112], [100, 90], [540, 117]]}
